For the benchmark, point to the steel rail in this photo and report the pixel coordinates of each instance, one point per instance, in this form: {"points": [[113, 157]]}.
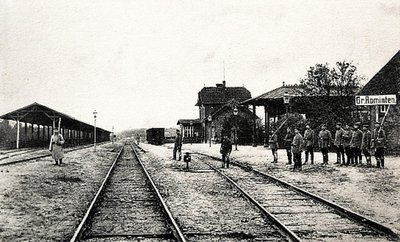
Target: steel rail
{"points": [[174, 226], [78, 232], [40, 156], [342, 210], [283, 228]]}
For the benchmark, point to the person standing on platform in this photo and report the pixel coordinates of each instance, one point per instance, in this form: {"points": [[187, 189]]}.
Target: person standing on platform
{"points": [[309, 136], [366, 144], [178, 145], [346, 144], [138, 139], [288, 142], [355, 144], [325, 140], [378, 143], [338, 143], [297, 147], [56, 143], [273, 144], [226, 149]]}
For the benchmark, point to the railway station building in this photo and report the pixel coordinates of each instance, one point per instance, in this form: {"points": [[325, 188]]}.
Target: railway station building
{"points": [[35, 124], [381, 94], [216, 113], [289, 99]]}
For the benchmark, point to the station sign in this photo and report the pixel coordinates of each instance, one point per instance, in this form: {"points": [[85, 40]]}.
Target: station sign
{"points": [[374, 100]]}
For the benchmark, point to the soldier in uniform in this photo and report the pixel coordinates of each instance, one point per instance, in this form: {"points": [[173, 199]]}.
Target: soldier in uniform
{"points": [[355, 144], [309, 143], [226, 149], [338, 143], [346, 143], [378, 143], [288, 142], [177, 145], [273, 144], [366, 144], [325, 140], [56, 142], [297, 146]]}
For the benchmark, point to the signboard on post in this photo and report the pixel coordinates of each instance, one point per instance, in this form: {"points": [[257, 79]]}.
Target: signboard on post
{"points": [[375, 100]]}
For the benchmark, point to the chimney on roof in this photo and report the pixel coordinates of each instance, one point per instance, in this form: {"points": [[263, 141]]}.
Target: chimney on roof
{"points": [[224, 83], [283, 83]]}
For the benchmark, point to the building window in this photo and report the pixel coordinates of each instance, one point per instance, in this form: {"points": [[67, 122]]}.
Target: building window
{"points": [[188, 131]]}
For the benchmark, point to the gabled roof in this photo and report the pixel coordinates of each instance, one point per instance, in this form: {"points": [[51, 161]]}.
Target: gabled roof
{"points": [[36, 113], [222, 94], [276, 94], [188, 121], [386, 81]]}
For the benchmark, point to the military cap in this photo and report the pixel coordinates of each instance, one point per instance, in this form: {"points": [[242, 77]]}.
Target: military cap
{"points": [[323, 125], [339, 123]]}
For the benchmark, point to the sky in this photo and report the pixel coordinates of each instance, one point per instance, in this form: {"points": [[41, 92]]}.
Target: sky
{"points": [[140, 64]]}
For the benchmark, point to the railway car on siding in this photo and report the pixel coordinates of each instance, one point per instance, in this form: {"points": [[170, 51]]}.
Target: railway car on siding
{"points": [[155, 136]]}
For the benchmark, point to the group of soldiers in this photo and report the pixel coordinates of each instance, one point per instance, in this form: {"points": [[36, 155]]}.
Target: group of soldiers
{"points": [[349, 144]]}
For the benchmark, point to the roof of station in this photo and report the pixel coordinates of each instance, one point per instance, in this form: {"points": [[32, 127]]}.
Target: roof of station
{"points": [[387, 80], [275, 94], [220, 94], [188, 121], [36, 113]]}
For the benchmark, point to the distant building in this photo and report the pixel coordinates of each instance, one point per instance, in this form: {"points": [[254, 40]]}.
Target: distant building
{"points": [[216, 105], [386, 82], [191, 130]]}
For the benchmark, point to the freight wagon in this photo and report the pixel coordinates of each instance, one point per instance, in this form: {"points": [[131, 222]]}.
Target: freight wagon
{"points": [[155, 136]]}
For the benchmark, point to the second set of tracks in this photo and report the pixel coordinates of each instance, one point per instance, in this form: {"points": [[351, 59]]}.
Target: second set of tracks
{"points": [[128, 206]]}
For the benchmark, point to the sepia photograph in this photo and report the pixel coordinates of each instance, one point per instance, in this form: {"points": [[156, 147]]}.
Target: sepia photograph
{"points": [[192, 121]]}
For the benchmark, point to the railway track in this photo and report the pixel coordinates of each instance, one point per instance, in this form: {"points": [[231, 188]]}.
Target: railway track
{"points": [[42, 154], [301, 215], [127, 206]]}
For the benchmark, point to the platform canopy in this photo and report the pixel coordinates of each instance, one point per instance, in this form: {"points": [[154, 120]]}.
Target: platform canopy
{"points": [[36, 113]]}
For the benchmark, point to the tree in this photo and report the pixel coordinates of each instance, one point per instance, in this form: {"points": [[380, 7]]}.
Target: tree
{"points": [[346, 79], [342, 80], [333, 90]]}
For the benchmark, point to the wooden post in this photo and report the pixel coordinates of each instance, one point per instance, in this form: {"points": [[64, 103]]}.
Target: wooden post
{"points": [[44, 135], [32, 131], [26, 133], [266, 127], [17, 144], [38, 133], [48, 133], [254, 126]]}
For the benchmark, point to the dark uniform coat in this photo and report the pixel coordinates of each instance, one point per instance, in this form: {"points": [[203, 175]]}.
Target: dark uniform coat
{"points": [[366, 140], [347, 138], [378, 138], [356, 139], [288, 139], [297, 143], [325, 138], [339, 137], [309, 137], [178, 141], [226, 146]]}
